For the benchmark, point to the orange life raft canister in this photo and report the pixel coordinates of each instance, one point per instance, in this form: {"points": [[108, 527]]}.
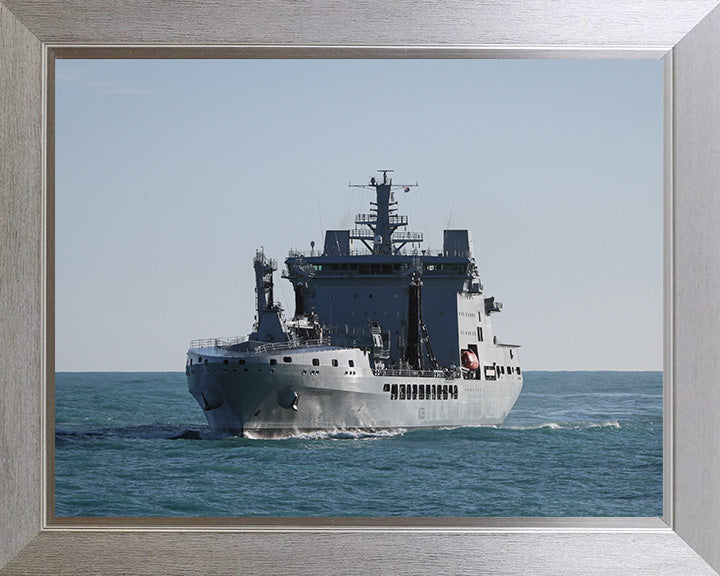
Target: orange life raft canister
{"points": [[469, 359]]}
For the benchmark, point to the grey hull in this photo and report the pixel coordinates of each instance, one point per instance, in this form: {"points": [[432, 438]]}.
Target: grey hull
{"points": [[255, 398]]}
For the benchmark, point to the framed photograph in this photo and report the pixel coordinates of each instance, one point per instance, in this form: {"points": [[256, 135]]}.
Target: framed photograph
{"points": [[152, 227], [38, 541]]}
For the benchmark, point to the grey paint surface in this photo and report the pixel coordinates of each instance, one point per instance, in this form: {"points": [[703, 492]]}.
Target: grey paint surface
{"points": [[645, 25]]}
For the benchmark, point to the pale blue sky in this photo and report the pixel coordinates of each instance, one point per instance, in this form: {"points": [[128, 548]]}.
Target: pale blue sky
{"points": [[170, 173]]}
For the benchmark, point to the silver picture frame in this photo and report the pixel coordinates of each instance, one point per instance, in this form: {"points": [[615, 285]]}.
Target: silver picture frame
{"points": [[685, 34]]}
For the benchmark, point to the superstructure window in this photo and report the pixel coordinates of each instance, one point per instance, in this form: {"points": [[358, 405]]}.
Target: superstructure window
{"points": [[287, 359], [334, 362], [394, 392], [414, 392], [273, 361], [316, 362], [386, 387], [421, 392], [351, 363], [402, 391], [518, 370], [241, 361], [479, 316], [480, 335]]}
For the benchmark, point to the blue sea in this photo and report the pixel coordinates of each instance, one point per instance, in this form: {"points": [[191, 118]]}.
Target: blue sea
{"points": [[575, 444]]}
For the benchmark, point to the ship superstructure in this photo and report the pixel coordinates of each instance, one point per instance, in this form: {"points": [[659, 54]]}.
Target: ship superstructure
{"points": [[384, 335]]}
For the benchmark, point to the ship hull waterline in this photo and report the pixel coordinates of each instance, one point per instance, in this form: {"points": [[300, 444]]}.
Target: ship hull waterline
{"points": [[262, 400]]}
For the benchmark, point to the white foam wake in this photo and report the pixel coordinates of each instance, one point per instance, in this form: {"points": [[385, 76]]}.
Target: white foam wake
{"points": [[336, 434], [566, 425]]}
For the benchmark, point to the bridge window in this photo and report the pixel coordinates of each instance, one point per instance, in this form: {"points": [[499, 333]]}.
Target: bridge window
{"points": [[414, 391], [433, 392], [402, 391], [421, 392], [445, 392]]}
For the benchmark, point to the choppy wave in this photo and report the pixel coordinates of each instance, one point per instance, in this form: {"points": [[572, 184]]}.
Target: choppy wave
{"points": [[142, 432], [564, 426], [174, 432]]}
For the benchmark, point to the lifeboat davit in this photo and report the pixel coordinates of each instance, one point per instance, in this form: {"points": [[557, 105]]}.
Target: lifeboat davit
{"points": [[469, 360]]}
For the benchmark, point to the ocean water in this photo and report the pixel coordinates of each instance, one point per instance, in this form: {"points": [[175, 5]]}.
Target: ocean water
{"points": [[575, 444]]}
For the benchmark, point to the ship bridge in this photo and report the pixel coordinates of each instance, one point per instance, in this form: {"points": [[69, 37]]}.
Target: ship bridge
{"points": [[343, 286]]}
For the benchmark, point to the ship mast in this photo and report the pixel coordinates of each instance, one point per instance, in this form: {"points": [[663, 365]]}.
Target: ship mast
{"points": [[383, 222]]}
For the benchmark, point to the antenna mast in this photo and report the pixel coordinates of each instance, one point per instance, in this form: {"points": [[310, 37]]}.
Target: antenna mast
{"points": [[383, 222]]}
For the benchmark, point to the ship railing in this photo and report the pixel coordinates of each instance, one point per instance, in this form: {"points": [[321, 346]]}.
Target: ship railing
{"points": [[357, 234], [364, 252], [393, 220], [217, 342], [408, 372], [290, 345]]}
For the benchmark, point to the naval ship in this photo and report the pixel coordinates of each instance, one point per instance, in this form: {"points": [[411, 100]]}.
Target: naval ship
{"points": [[385, 336]]}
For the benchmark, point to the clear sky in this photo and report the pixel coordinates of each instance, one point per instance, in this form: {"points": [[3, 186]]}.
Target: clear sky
{"points": [[171, 173]]}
